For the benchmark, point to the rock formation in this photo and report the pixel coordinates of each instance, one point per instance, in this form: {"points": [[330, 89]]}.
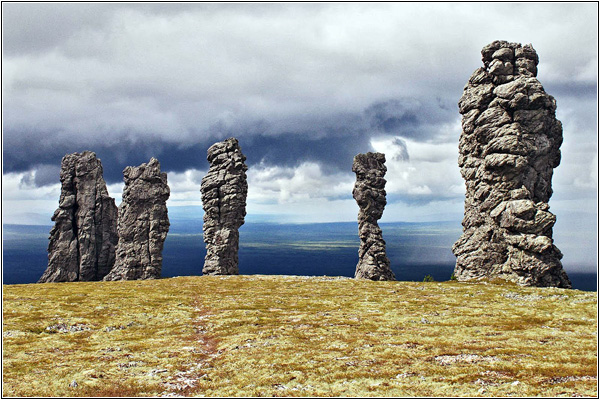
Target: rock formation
{"points": [[508, 148], [224, 190], [143, 223], [84, 236], [369, 193]]}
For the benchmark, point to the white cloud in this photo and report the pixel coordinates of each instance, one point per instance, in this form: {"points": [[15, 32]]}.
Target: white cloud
{"points": [[185, 187], [431, 171], [273, 184], [25, 203]]}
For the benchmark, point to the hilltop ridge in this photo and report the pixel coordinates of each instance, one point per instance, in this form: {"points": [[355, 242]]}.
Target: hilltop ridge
{"points": [[254, 335]]}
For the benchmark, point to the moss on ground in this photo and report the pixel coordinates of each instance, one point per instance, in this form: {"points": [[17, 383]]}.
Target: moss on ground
{"points": [[297, 336]]}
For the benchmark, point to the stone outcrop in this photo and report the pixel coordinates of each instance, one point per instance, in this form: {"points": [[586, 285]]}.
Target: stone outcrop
{"points": [[369, 193], [84, 236], [224, 190], [143, 223], [508, 148]]}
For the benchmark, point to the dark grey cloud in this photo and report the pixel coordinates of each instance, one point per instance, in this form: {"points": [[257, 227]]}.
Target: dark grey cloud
{"points": [[401, 153], [411, 118], [42, 174], [579, 90], [332, 141]]}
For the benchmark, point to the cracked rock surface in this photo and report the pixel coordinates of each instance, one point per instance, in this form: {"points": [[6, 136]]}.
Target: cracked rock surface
{"points": [[224, 190], [508, 149], [369, 193], [84, 236], [143, 223]]}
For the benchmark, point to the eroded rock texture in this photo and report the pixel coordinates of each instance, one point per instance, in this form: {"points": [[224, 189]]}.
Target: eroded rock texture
{"points": [[508, 148], [369, 193], [143, 223], [84, 236], [224, 191]]}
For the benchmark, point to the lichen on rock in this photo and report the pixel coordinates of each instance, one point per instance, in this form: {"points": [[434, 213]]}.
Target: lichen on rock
{"points": [[143, 223], [508, 149], [224, 190], [369, 193], [84, 236]]}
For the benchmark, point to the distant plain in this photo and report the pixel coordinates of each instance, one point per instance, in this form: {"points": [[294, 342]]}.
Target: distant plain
{"points": [[316, 249]]}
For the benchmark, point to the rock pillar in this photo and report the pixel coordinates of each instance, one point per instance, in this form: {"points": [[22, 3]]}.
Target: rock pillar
{"points": [[508, 148], [224, 191], [369, 193], [84, 236], [143, 223]]}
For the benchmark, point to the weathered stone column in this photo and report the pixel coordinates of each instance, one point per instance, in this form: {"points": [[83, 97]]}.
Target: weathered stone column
{"points": [[143, 223], [224, 191], [83, 239], [508, 148], [369, 193]]}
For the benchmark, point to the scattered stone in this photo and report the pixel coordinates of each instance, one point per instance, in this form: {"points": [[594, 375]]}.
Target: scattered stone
{"points": [[113, 328], [156, 372], [405, 375], [369, 193], [484, 382], [224, 190], [564, 379], [522, 297], [62, 327], [143, 223], [84, 236], [129, 364], [496, 374], [465, 358], [508, 148], [73, 384]]}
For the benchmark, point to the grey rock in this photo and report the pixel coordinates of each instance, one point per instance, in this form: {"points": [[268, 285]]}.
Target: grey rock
{"points": [[369, 193], [84, 236], [224, 190], [143, 223], [508, 148]]}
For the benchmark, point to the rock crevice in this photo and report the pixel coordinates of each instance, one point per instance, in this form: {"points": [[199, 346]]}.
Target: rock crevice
{"points": [[369, 193], [508, 149], [224, 190], [84, 236], [143, 223]]}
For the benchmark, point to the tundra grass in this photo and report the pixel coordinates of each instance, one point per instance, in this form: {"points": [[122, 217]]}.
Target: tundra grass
{"points": [[297, 336]]}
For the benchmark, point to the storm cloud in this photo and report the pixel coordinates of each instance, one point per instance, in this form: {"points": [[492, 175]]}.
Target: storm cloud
{"points": [[304, 87]]}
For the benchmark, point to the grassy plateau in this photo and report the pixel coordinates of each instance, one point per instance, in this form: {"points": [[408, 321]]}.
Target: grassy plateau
{"points": [[297, 336]]}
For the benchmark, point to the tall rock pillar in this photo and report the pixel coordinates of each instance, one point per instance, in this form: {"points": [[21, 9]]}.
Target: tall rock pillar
{"points": [[369, 193], [84, 236], [224, 191], [508, 148], [143, 223]]}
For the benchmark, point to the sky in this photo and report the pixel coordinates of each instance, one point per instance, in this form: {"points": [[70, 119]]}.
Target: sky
{"points": [[304, 87]]}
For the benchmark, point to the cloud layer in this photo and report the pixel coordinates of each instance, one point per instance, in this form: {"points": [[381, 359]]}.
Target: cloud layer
{"points": [[304, 87]]}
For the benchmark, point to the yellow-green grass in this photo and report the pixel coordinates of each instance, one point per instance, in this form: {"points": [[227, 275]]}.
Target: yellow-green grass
{"points": [[297, 336]]}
